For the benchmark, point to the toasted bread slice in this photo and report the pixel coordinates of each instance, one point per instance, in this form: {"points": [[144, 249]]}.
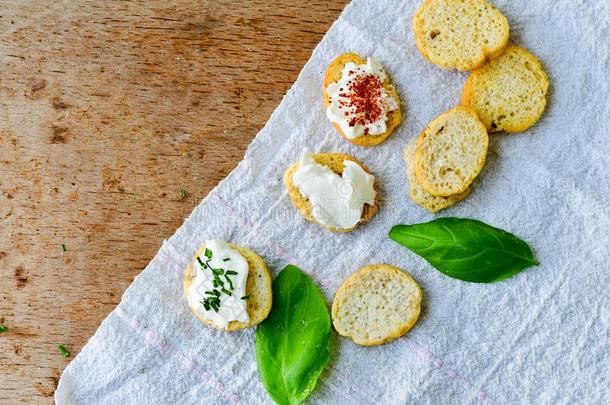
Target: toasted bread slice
{"points": [[459, 34], [333, 74], [451, 152], [377, 304], [418, 194], [508, 93], [334, 161], [258, 290]]}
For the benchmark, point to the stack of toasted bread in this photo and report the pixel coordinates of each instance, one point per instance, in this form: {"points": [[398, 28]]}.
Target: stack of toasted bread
{"points": [[506, 91]]}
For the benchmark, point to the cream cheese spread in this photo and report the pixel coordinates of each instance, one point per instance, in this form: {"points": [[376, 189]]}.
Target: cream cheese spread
{"points": [[358, 102], [219, 286], [336, 201]]}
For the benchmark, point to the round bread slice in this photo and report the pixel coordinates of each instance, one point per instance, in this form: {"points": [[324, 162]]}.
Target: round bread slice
{"points": [[258, 290], [451, 152], [377, 304], [428, 201], [334, 161], [460, 34], [333, 74], [508, 93]]}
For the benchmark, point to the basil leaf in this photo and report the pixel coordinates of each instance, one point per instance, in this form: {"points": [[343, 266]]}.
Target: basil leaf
{"points": [[466, 249], [293, 343]]}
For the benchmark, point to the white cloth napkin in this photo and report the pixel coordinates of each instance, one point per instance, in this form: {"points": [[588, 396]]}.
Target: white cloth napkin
{"points": [[541, 337]]}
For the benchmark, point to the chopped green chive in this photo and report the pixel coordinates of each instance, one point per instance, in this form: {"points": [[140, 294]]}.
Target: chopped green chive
{"points": [[63, 351], [212, 299], [183, 194], [3, 328], [230, 282], [245, 297], [63, 248]]}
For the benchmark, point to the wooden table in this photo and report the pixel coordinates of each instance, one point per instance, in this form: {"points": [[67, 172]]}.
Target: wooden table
{"points": [[116, 118]]}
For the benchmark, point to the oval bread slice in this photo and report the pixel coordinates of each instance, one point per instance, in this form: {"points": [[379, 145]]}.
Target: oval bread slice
{"points": [[451, 152], [508, 93], [334, 161], [333, 74], [428, 201], [460, 34], [258, 290], [377, 304]]}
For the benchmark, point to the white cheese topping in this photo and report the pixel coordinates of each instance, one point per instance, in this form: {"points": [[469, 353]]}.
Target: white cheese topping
{"points": [[223, 258], [358, 102], [336, 201]]}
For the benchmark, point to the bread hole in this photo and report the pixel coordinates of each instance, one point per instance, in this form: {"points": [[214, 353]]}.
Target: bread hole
{"points": [[493, 125], [434, 34], [438, 131], [501, 117]]}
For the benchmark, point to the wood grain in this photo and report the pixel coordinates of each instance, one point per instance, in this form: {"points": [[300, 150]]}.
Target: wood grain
{"points": [[108, 109]]}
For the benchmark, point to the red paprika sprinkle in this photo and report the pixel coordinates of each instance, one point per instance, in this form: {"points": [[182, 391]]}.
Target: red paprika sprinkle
{"points": [[363, 99]]}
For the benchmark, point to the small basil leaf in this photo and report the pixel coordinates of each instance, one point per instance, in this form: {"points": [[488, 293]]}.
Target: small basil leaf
{"points": [[466, 249], [293, 343]]}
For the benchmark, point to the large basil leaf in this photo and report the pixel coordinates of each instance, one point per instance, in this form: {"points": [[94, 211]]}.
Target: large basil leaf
{"points": [[466, 249], [293, 343]]}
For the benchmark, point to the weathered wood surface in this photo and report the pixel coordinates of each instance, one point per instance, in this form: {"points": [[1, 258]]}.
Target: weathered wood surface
{"points": [[108, 109]]}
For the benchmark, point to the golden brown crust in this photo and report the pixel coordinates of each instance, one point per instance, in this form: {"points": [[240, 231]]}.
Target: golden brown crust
{"points": [[420, 169], [333, 74], [258, 288], [351, 283], [479, 79], [487, 53], [428, 201], [334, 161]]}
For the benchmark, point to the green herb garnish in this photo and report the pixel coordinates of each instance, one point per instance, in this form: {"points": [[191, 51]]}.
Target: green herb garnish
{"points": [[183, 194], [213, 301], [245, 297], [63, 248], [293, 346], [3, 328], [63, 351], [466, 249], [230, 282]]}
